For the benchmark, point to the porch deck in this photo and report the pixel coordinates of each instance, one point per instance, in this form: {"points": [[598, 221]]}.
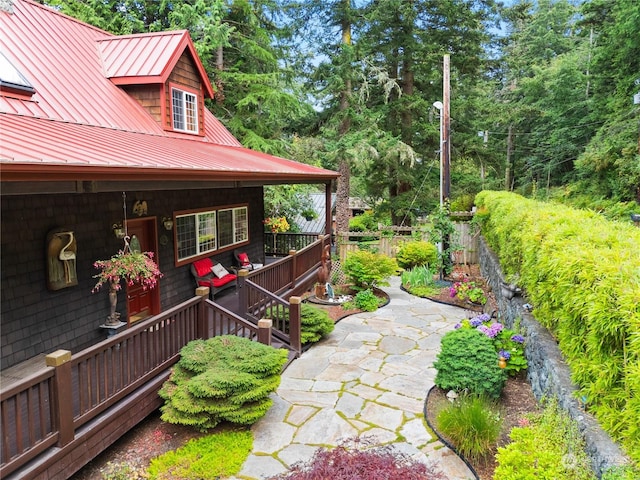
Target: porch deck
{"points": [[228, 300], [57, 418]]}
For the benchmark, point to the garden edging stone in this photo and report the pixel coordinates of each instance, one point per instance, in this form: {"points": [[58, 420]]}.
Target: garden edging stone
{"points": [[548, 373]]}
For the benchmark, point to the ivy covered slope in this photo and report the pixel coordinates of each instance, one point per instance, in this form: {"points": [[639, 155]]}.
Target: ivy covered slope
{"points": [[582, 274]]}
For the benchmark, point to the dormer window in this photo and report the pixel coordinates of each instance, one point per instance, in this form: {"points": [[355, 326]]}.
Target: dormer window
{"points": [[184, 110]]}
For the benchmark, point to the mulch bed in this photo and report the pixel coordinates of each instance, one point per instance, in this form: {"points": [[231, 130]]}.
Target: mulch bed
{"points": [[516, 401], [517, 398]]}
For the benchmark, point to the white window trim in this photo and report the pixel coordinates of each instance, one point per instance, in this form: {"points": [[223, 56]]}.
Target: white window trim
{"points": [[234, 212], [196, 224], [185, 118]]}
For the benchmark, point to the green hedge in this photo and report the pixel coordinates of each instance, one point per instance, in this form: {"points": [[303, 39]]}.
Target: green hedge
{"points": [[582, 274]]}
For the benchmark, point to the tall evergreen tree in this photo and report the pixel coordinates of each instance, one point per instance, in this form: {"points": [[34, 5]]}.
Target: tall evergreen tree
{"points": [[408, 40]]}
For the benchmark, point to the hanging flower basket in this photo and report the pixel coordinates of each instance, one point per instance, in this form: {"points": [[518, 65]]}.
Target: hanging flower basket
{"points": [[133, 267], [277, 224]]}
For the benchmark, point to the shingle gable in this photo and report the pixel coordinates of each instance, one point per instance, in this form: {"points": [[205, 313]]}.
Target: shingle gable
{"points": [[148, 58]]}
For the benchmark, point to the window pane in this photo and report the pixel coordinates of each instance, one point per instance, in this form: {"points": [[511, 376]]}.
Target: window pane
{"points": [[178, 111], [225, 227], [191, 112], [241, 225], [186, 236], [206, 232]]}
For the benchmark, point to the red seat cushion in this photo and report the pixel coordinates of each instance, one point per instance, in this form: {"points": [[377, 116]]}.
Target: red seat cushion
{"points": [[217, 282], [244, 259], [203, 267]]}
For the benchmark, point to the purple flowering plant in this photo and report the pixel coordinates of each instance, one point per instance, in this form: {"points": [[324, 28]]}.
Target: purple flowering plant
{"points": [[508, 344]]}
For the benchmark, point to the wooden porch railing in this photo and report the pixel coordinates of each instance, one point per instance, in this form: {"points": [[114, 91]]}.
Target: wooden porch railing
{"points": [[280, 244], [46, 417], [57, 420], [270, 291]]}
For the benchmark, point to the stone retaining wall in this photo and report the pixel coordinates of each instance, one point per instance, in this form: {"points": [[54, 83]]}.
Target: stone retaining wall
{"points": [[548, 373]]}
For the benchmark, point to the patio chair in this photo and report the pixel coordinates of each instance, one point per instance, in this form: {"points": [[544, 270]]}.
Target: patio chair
{"points": [[243, 261], [212, 275]]}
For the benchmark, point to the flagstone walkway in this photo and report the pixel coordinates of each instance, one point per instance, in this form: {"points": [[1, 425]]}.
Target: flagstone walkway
{"points": [[369, 377]]}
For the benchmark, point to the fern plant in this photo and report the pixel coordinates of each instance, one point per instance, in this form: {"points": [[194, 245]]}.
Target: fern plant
{"points": [[315, 322]]}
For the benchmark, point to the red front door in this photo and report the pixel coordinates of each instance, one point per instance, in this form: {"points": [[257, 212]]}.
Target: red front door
{"points": [[142, 303]]}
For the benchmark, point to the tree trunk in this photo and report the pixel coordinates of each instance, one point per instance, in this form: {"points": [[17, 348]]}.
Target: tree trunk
{"points": [[343, 188]]}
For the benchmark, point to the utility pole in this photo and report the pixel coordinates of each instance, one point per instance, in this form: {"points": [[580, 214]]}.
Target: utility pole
{"points": [[507, 170], [446, 133]]}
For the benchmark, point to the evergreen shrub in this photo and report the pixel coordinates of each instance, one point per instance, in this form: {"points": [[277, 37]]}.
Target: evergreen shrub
{"points": [[417, 253], [582, 274], [315, 322], [224, 378], [467, 362], [367, 269]]}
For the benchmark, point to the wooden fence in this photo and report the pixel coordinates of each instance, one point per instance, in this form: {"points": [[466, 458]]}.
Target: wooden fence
{"points": [[387, 240]]}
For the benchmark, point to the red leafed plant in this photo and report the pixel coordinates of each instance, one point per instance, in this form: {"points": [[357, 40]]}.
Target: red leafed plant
{"points": [[357, 459]]}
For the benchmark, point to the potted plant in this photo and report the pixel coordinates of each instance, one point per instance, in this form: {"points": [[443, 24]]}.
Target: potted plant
{"points": [[308, 214], [133, 268], [276, 225]]}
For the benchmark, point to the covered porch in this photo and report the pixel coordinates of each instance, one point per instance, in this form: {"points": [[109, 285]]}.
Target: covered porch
{"points": [[60, 414]]}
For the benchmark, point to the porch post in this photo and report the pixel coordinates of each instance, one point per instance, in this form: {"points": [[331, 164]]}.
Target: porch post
{"points": [[202, 330], [294, 267], [63, 400], [295, 324], [327, 208], [264, 330], [243, 292]]}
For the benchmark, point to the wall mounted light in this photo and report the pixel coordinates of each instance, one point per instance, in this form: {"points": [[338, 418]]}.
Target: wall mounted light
{"points": [[118, 231], [168, 223]]}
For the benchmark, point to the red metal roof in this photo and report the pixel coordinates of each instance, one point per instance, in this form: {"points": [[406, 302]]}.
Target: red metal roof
{"points": [[79, 122], [147, 58], [64, 151]]}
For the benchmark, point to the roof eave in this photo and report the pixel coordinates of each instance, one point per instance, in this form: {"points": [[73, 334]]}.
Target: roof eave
{"points": [[146, 80], [17, 172]]}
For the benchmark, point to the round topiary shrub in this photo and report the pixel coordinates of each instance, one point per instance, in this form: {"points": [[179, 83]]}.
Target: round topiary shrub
{"points": [[222, 379], [468, 361], [418, 253]]}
